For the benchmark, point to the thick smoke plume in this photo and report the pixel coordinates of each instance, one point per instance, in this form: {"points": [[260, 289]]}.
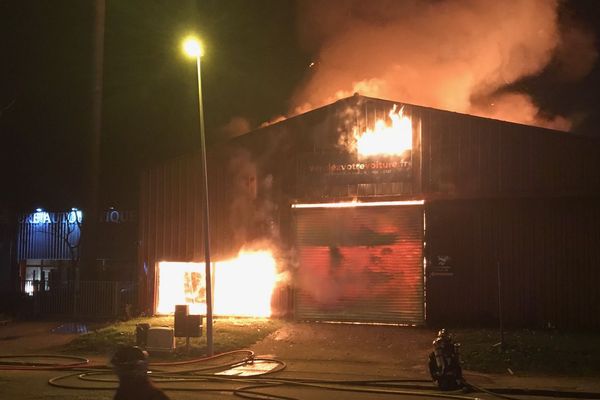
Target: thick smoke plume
{"points": [[253, 211], [455, 55], [236, 126]]}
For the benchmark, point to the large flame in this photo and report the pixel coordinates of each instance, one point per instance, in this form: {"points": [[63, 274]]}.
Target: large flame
{"points": [[241, 287], [386, 139]]}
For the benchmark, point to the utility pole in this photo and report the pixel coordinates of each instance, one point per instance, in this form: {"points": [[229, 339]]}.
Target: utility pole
{"points": [[90, 236]]}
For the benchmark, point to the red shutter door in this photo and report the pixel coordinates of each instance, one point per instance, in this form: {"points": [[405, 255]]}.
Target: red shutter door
{"points": [[360, 264]]}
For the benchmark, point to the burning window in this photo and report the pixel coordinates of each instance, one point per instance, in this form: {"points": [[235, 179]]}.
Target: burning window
{"points": [[241, 287], [393, 137]]}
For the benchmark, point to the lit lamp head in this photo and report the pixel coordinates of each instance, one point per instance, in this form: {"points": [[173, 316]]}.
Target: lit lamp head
{"points": [[192, 47]]}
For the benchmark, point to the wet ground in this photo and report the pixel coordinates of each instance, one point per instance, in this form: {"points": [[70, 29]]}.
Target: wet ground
{"points": [[31, 337], [316, 351]]}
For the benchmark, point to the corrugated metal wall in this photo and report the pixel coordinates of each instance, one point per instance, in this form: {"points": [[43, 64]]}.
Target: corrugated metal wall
{"points": [[547, 251], [330, 145], [455, 157], [471, 157], [48, 238], [7, 227], [171, 217], [360, 264]]}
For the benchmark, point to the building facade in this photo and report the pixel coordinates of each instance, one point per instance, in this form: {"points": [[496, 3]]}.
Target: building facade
{"points": [[458, 216]]}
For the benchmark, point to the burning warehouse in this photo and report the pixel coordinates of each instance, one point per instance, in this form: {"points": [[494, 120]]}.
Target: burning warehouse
{"points": [[376, 211]]}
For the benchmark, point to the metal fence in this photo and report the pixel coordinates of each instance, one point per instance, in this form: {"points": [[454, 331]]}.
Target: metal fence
{"points": [[90, 299]]}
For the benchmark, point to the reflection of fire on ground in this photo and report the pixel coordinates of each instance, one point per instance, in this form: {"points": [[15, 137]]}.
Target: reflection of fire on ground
{"points": [[241, 287]]}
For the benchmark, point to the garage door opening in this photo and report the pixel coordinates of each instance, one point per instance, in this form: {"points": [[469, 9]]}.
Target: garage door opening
{"points": [[360, 262]]}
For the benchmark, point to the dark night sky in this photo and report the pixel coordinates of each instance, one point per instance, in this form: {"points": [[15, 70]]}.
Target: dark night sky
{"points": [[150, 92], [253, 63]]}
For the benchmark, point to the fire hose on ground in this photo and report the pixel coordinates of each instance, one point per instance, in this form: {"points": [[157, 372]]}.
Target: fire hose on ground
{"points": [[252, 387]]}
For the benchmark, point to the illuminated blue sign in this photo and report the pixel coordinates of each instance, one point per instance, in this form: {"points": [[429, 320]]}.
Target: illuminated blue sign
{"points": [[43, 217], [113, 216], [49, 235]]}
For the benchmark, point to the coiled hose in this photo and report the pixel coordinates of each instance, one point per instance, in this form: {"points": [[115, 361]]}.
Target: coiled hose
{"points": [[171, 377]]}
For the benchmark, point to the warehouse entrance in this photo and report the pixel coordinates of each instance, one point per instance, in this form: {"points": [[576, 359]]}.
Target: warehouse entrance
{"points": [[360, 262]]}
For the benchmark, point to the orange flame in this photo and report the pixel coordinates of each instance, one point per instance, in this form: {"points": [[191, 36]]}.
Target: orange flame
{"points": [[385, 139], [242, 286]]}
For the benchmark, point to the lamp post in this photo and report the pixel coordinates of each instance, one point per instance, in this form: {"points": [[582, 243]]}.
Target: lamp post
{"points": [[193, 48]]}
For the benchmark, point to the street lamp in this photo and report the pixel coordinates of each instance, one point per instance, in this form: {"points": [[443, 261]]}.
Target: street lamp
{"points": [[193, 48]]}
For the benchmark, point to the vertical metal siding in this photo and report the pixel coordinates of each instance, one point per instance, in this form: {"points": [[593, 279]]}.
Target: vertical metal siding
{"points": [[469, 157], [171, 216], [330, 136], [6, 249], [463, 157], [360, 264], [548, 255], [46, 240]]}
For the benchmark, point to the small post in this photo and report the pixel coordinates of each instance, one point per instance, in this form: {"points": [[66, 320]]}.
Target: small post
{"points": [[42, 281], [76, 293], [500, 319], [116, 305], [36, 294]]}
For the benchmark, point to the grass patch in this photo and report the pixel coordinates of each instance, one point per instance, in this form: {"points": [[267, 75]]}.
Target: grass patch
{"points": [[527, 352], [228, 334]]}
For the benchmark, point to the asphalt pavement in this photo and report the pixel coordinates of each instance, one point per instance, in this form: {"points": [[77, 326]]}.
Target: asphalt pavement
{"points": [[311, 352]]}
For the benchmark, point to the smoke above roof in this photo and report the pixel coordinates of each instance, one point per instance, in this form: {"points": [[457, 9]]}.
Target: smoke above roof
{"points": [[459, 55]]}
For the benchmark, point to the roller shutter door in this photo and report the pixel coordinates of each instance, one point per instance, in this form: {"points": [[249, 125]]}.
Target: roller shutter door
{"points": [[362, 264]]}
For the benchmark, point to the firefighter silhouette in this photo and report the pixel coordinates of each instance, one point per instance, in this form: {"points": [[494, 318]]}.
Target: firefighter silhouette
{"points": [[130, 363], [444, 362]]}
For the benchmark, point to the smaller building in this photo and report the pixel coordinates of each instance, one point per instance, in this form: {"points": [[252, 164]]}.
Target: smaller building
{"points": [[48, 247], [47, 272]]}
